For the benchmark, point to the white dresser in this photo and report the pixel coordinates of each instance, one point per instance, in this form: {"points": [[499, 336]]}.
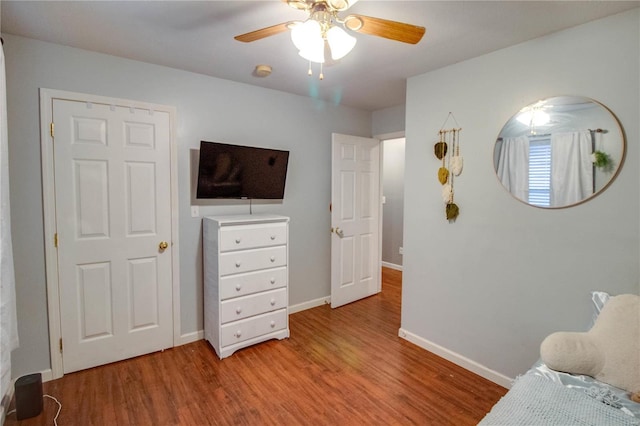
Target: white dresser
{"points": [[246, 298]]}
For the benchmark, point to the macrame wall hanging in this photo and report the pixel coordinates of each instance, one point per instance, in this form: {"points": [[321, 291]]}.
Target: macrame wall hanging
{"points": [[447, 149]]}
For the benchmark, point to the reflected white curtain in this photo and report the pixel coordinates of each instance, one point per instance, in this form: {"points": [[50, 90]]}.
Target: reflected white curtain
{"points": [[8, 321], [513, 166], [571, 168]]}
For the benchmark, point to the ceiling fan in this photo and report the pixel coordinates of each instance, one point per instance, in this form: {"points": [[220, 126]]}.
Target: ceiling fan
{"points": [[321, 38]]}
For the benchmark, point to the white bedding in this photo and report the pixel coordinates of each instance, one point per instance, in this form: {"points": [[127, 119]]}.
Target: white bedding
{"points": [[611, 395], [536, 400]]}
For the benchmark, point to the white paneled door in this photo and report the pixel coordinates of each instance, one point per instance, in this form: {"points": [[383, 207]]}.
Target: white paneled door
{"points": [[355, 218], [113, 220]]}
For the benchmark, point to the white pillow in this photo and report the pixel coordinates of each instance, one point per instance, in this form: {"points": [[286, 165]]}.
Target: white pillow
{"points": [[608, 351]]}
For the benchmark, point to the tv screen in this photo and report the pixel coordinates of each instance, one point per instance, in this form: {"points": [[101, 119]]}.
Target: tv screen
{"points": [[235, 171]]}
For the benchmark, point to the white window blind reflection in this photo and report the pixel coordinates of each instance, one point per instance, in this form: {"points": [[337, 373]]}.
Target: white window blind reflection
{"points": [[540, 172]]}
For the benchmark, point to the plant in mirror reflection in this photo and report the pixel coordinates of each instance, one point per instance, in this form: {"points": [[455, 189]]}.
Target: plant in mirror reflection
{"points": [[602, 160]]}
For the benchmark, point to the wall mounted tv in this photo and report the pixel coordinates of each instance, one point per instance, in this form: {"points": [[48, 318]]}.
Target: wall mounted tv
{"points": [[235, 171]]}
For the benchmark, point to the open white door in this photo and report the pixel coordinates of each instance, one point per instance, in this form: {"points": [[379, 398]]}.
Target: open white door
{"points": [[355, 218]]}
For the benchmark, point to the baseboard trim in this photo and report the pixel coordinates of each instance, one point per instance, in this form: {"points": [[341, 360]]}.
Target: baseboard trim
{"points": [[457, 359], [47, 375], [392, 266], [190, 337], [310, 304]]}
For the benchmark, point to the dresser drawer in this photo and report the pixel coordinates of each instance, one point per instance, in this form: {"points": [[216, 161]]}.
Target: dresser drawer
{"points": [[252, 282], [252, 260], [236, 332], [254, 304], [252, 236]]}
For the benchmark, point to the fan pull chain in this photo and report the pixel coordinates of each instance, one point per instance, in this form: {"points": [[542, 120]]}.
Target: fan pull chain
{"points": [[310, 72]]}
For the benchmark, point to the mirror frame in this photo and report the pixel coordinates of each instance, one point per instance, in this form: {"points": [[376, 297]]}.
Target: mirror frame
{"points": [[622, 140]]}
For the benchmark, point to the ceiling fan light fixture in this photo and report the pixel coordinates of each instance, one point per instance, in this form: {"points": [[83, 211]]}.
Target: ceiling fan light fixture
{"points": [[314, 53], [304, 36], [341, 4], [308, 39], [353, 22], [340, 42], [534, 117], [298, 4]]}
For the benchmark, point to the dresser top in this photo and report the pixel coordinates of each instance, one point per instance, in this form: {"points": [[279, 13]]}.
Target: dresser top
{"points": [[228, 220]]}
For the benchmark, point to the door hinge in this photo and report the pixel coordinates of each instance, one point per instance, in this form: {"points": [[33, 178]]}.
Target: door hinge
{"points": [[51, 129], [61, 345], [55, 240], [330, 207]]}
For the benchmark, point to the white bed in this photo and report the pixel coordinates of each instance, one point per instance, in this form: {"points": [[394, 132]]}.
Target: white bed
{"points": [[543, 396]]}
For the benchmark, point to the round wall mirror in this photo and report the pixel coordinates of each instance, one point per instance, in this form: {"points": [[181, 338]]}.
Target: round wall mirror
{"points": [[559, 152]]}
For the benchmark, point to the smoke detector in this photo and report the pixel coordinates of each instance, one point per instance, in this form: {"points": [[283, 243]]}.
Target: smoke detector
{"points": [[262, 71]]}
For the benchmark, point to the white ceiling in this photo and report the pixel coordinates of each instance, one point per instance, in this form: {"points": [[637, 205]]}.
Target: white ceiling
{"points": [[198, 37]]}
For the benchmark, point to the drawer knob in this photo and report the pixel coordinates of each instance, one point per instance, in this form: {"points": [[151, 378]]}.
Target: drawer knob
{"points": [[238, 287], [238, 264], [238, 240], [273, 237], [238, 333], [273, 324], [272, 280], [273, 259], [273, 302], [238, 310]]}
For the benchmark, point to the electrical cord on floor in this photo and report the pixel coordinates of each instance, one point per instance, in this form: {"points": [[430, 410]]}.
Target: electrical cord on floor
{"points": [[55, 419]]}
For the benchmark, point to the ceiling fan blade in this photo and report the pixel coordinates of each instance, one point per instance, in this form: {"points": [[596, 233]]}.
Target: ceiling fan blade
{"points": [[392, 30], [264, 32]]}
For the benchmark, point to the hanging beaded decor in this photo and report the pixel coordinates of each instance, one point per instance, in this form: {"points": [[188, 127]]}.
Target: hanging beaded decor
{"points": [[451, 164]]}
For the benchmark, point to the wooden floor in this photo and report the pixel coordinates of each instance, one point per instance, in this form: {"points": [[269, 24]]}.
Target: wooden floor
{"points": [[342, 366]]}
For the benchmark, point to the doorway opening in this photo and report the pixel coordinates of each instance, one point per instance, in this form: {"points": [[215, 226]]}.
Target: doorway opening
{"points": [[393, 160]]}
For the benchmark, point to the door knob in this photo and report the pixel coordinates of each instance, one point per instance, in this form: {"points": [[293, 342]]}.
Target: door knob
{"points": [[163, 245], [339, 232]]}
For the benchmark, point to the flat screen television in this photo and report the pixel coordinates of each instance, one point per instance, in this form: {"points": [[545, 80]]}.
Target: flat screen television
{"points": [[235, 171]]}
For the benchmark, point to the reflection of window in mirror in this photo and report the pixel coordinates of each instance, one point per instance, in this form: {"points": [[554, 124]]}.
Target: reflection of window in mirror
{"points": [[540, 171], [547, 170]]}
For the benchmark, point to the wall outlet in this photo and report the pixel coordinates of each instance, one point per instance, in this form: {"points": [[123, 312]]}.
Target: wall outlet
{"points": [[195, 211], [401, 250]]}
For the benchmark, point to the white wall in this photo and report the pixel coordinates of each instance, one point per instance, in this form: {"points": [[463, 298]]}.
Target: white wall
{"points": [[393, 208], [388, 120], [489, 287], [209, 109]]}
